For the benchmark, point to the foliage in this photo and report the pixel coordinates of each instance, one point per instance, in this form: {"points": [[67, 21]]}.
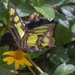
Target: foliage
{"points": [[61, 59]]}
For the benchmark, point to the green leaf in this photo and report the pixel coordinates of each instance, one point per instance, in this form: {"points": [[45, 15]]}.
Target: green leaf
{"points": [[62, 35], [25, 9], [16, 2], [2, 29], [72, 1], [64, 69], [71, 49], [4, 71], [3, 49], [3, 1], [2, 19], [46, 11], [68, 1], [69, 11], [54, 2], [4, 13], [58, 55], [36, 54], [73, 30], [44, 74], [60, 18], [48, 67], [72, 60]]}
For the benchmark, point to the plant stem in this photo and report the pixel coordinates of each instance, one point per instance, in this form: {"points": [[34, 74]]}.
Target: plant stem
{"points": [[36, 66], [31, 70], [14, 71]]}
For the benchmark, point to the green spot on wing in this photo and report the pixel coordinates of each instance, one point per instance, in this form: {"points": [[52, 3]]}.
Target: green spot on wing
{"points": [[41, 27], [37, 31], [12, 11], [16, 19]]}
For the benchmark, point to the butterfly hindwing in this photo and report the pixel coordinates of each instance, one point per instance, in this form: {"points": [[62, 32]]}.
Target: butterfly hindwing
{"points": [[18, 24], [41, 35]]}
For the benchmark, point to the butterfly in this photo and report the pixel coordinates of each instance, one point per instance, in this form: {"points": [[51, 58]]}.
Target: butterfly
{"points": [[31, 38]]}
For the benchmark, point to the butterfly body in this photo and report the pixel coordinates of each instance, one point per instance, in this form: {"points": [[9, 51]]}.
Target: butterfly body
{"points": [[33, 38]]}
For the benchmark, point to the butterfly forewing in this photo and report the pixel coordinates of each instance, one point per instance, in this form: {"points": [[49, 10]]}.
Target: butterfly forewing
{"points": [[17, 22]]}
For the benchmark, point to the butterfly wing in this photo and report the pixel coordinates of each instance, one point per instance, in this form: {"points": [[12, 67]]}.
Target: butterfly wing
{"points": [[41, 35], [18, 24]]}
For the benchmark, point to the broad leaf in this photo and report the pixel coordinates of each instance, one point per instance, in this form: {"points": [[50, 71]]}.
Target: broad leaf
{"points": [[4, 71], [64, 69], [58, 55], [25, 10], [46, 11], [69, 11], [60, 18], [62, 35]]}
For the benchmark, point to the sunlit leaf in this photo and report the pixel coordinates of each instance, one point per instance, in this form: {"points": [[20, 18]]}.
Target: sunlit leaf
{"points": [[69, 11], [60, 18], [64, 69], [46, 11]]}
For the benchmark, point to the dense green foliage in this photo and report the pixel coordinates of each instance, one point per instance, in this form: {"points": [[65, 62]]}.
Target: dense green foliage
{"points": [[62, 57]]}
